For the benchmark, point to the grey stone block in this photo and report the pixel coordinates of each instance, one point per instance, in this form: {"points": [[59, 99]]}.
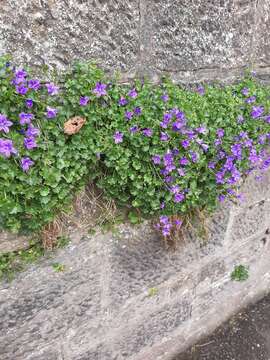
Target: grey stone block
{"points": [[59, 32], [152, 328], [12, 242], [255, 190], [192, 35], [261, 40], [251, 221]]}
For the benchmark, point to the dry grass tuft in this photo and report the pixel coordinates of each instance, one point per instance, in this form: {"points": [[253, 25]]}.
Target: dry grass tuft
{"points": [[50, 234]]}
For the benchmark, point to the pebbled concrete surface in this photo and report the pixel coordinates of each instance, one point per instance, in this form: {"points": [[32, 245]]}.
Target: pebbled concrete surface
{"points": [[246, 336], [124, 296]]}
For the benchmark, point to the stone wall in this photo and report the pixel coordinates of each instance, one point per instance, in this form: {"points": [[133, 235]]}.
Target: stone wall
{"points": [[123, 296], [193, 40]]}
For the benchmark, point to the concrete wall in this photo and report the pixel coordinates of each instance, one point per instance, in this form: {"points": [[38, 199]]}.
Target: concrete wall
{"points": [[102, 306], [193, 40]]}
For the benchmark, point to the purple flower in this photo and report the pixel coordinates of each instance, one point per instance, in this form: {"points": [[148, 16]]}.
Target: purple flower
{"points": [[5, 124], [29, 103], [26, 163], [205, 147], [163, 219], [122, 101], [262, 139], [34, 84], [245, 91], [134, 129], [194, 156], [132, 93], [257, 111], [217, 142], [32, 131], [221, 198], [6, 148], [164, 136], [166, 119], [201, 130], [185, 143], [220, 177], [128, 115], [267, 119], [20, 77], [250, 100], [25, 118], [253, 156], [243, 135], [52, 89], [137, 110], [30, 143], [200, 90], [211, 165], [248, 143], [168, 158], [231, 191], [178, 222], [147, 132], [177, 125], [179, 114], [184, 161], [118, 137], [21, 89], [236, 149], [179, 197], [175, 189], [100, 89], [162, 205], [164, 97], [51, 112], [169, 168], [166, 231], [220, 133], [156, 159], [181, 172], [169, 179], [84, 100]]}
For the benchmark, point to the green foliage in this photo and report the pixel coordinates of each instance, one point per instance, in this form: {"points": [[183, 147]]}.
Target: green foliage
{"points": [[16, 261], [58, 267], [152, 291], [63, 164], [12, 262], [240, 273], [125, 170]]}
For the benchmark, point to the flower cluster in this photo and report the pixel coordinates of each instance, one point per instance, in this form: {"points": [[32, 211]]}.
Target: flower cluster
{"points": [[163, 149], [167, 225], [23, 85]]}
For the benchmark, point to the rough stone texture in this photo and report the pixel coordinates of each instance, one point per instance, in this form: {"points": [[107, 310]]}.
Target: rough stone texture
{"points": [[197, 36], [193, 40], [125, 296], [57, 32], [12, 242]]}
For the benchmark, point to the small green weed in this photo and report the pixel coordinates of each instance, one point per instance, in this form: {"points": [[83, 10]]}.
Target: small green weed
{"points": [[134, 217], [58, 267], [152, 291], [12, 262], [62, 241], [240, 273]]}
